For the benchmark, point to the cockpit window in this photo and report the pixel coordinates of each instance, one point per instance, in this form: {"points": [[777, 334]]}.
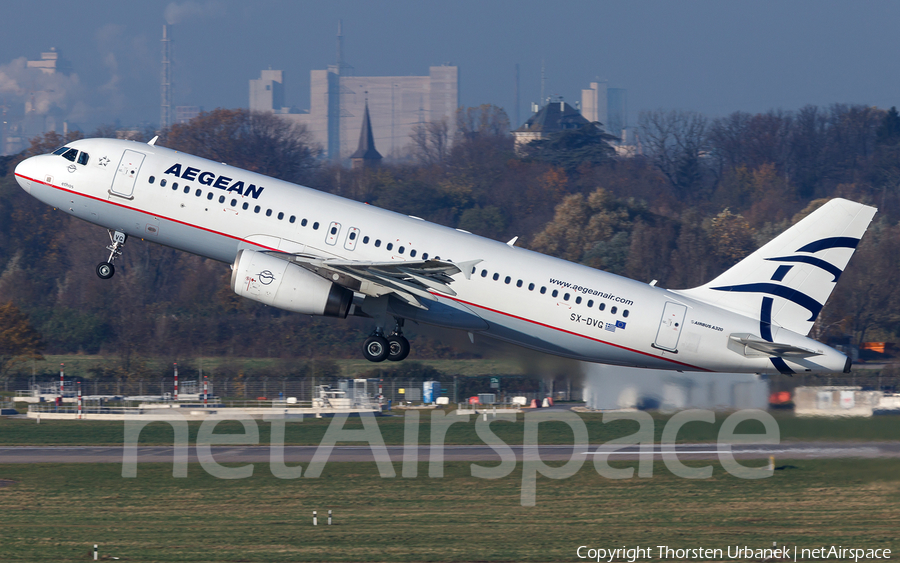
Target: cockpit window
{"points": [[83, 158], [60, 150], [70, 154]]}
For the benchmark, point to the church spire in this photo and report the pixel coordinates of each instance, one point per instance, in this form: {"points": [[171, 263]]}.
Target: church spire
{"points": [[366, 156]]}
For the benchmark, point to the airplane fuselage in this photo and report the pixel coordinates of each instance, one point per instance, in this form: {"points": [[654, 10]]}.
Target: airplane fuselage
{"points": [[516, 295]]}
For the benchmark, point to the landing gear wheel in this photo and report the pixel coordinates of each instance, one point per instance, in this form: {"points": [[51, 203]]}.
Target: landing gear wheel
{"points": [[398, 348], [105, 270], [376, 348]]}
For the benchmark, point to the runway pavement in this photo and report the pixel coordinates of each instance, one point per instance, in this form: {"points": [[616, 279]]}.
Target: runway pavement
{"points": [[296, 454]]}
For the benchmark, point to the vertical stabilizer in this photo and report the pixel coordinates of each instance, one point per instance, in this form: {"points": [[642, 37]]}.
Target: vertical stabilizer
{"points": [[787, 281]]}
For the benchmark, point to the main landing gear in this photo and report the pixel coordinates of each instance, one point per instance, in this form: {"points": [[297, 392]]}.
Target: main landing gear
{"points": [[106, 270], [394, 347]]}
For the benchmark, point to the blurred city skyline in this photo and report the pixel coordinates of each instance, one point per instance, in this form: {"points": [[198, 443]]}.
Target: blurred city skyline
{"points": [[703, 56]]}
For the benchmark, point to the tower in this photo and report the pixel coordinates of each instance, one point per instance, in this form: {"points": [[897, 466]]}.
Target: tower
{"points": [[366, 156], [165, 113]]}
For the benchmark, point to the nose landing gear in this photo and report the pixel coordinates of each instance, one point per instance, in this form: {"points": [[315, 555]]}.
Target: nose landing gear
{"points": [[395, 347], [106, 270]]}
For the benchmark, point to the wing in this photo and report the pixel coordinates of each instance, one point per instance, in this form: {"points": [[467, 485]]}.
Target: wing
{"points": [[409, 280]]}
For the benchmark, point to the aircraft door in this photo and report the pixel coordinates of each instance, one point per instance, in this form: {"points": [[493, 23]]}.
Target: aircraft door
{"points": [[334, 229], [352, 237], [670, 327], [126, 174]]}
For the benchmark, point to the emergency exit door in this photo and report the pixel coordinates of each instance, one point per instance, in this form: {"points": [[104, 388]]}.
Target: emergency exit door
{"points": [[670, 326], [126, 174]]}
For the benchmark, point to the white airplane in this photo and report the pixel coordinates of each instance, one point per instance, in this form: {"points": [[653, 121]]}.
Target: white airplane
{"points": [[306, 251]]}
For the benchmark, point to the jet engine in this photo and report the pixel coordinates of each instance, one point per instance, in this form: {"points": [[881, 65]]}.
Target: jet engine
{"points": [[283, 284]]}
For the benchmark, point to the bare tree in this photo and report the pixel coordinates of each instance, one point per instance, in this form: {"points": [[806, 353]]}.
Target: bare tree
{"points": [[431, 142], [675, 141], [258, 141]]}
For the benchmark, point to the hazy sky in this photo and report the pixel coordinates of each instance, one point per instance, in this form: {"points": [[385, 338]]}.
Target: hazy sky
{"points": [[712, 56]]}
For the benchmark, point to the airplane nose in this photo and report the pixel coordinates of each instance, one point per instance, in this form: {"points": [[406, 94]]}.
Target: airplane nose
{"points": [[24, 175]]}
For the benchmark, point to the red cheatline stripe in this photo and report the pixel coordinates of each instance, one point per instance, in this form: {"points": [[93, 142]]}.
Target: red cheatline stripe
{"points": [[145, 213], [570, 332], [442, 295]]}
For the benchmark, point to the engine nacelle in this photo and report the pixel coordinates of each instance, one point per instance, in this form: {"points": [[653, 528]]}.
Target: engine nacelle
{"points": [[279, 283]]}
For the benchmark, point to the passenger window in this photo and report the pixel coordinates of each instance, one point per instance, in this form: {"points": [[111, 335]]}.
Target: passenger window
{"points": [[161, 182], [590, 303], [390, 246], [221, 199], [625, 313], [70, 154], [519, 283], [303, 223], [566, 297], [484, 273], [543, 290], [437, 257], [507, 280], [334, 230], [555, 293], [83, 158], [152, 179], [280, 215], [245, 206], [613, 310], [424, 256], [233, 202], [531, 287], [412, 253], [316, 226], [174, 185], [602, 306], [187, 189], [268, 212], [366, 239], [578, 300], [377, 243], [198, 193], [496, 276], [400, 250], [292, 219], [256, 209], [209, 195], [352, 235]]}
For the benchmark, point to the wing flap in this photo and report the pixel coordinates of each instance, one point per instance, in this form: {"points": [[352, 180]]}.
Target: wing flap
{"points": [[412, 281]]}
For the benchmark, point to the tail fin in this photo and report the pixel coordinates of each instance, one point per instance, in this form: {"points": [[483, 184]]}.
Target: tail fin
{"points": [[788, 280]]}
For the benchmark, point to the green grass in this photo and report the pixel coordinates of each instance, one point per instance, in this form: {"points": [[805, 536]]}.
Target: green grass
{"points": [[57, 512], [310, 431]]}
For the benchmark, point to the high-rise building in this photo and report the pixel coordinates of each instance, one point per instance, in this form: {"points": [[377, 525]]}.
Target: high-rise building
{"points": [[337, 104], [607, 105], [267, 92]]}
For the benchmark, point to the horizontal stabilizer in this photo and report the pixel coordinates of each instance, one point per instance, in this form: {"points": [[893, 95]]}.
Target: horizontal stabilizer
{"points": [[772, 348]]}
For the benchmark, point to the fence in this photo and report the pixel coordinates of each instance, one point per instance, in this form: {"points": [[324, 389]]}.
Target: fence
{"points": [[393, 390]]}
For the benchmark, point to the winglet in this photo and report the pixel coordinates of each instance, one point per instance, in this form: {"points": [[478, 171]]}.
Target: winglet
{"points": [[512, 241], [466, 267], [152, 142]]}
